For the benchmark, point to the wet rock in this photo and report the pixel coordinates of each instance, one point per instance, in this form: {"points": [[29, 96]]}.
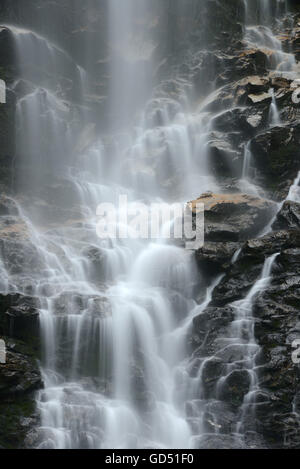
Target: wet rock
{"points": [[227, 24], [276, 326], [7, 136], [279, 82], [206, 327], [18, 253], [269, 244], [276, 154], [19, 318], [8, 206], [255, 84], [19, 379], [97, 260], [219, 418], [216, 257], [260, 98], [98, 306], [235, 386], [233, 217], [218, 442], [288, 217], [224, 160], [7, 50], [161, 111], [19, 375], [241, 65], [212, 370], [247, 121]]}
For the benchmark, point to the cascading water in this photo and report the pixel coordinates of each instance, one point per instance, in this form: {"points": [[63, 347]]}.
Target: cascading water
{"points": [[115, 314], [268, 11], [119, 328], [244, 336]]}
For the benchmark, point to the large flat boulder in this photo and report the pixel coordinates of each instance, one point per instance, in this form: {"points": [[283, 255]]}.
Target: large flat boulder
{"points": [[234, 217]]}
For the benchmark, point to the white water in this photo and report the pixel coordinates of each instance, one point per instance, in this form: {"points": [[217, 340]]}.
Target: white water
{"points": [[274, 115], [243, 335], [261, 36], [110, 356], [114, 333]]}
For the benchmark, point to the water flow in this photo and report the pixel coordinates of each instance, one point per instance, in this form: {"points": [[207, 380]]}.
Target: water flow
{"points": [[243, 333], [114, 314], [247, 160], [259, 34], [274, 115]]}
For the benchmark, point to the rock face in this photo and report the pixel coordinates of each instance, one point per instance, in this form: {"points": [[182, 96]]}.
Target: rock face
{"points": [[288, 216], [233, 249], [19, 327], [276, 323], [230, 219], [19, 379], [276, 153]]}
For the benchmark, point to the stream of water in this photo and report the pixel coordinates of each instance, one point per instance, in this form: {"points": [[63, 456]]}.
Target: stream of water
{"points": [[114, 352]]}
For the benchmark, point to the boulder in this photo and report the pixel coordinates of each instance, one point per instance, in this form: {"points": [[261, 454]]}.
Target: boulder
{"points": [[246, 120], [255, 84], [235, 386], [216, 257], [251, 62], [260, 98], [19, 318], [233, 217], [288, 217], [276, 153]]}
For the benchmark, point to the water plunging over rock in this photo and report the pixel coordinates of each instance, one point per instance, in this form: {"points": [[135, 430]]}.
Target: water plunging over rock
{"points": [[144, 344]]}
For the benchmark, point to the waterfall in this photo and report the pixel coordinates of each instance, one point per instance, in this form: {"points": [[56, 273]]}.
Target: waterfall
{"points": [[115, 314], [274, 116], [247, 160], [244, 335], [260, 33]]}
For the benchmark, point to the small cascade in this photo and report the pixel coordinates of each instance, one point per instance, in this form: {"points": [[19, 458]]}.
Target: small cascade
{"points": [[35, 53], [243, 331], [109, 309], [274, 115], [239, 350], [294, 192], [247, 161], [42, 117], [260, 34]]}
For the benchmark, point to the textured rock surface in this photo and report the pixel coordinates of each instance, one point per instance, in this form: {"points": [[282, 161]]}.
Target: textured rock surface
{"points": [[19, 379], [288, 216], [233, 217], [276, 153], [276, 313]]}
